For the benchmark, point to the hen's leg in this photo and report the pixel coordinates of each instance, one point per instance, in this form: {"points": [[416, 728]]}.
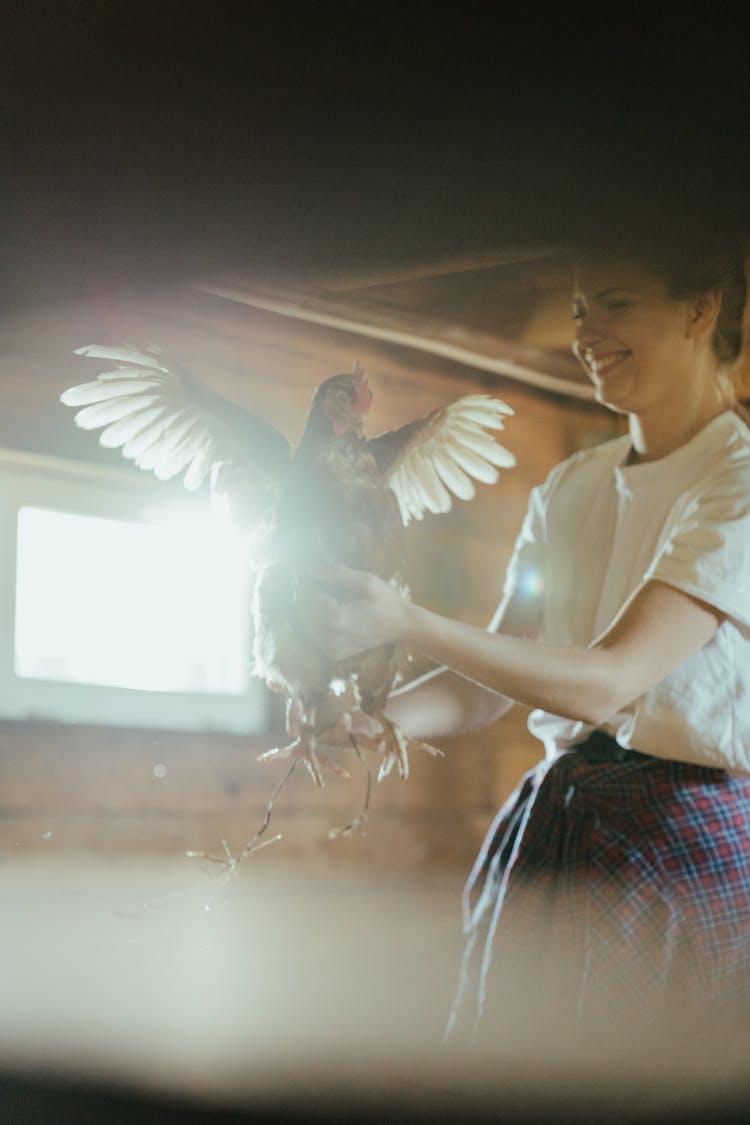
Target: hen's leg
{"points": [[306, 743], [355, 824], [395, 746]]}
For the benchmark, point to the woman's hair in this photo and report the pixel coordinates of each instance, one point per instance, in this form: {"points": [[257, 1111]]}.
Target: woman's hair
{"points": [[714, 266], [691, 270]]}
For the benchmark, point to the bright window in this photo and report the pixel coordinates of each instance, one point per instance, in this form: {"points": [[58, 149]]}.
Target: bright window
{"points": [[125, 603]]}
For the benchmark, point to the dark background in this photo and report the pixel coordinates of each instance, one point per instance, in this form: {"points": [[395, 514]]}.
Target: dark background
{"points": [[149, 140]]}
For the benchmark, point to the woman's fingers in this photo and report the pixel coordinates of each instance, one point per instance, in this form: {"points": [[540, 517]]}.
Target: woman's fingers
{"points": [[345, 580], [348, 611]]}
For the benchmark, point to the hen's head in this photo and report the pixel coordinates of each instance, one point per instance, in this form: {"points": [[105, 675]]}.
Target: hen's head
{"points": [[343, 400]]}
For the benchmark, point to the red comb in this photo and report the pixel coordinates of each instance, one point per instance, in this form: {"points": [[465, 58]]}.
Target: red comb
{"points": [[364, 394]]}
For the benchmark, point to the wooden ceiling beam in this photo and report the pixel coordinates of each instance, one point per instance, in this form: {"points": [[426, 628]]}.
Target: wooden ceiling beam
{"points": [[442, 267], [482, 351]]}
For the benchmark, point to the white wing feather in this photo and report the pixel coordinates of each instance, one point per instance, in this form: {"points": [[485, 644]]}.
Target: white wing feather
{"points": [[123, 355], [454, 450], [143, 411], [165, 424], [110, 385], [118, 434]]}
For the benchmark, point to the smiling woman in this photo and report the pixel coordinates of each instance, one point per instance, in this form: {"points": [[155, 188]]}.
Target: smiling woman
{"points": [[609, 908], [638, 321]]}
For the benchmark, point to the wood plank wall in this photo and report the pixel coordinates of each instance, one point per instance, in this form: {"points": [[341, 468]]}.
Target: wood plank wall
{"points": [[94, 789]]}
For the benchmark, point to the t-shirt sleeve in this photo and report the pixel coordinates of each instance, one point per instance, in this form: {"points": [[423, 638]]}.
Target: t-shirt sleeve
{"points": [[707, 551], [524, 574], [526, 563]]}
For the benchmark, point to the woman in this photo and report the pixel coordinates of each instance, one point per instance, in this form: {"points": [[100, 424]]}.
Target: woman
{"points": [[610, 904]]}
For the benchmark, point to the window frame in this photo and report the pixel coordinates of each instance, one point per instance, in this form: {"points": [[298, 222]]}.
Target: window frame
{"points": [[59, 484]]}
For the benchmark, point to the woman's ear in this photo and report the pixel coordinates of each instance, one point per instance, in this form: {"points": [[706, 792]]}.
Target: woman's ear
{"points": [[704, 312]]}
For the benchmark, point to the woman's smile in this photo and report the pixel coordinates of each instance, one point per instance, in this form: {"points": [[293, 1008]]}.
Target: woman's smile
{"points": [[600, 365]]}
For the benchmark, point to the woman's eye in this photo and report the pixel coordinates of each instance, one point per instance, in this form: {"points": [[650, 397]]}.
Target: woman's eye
{"points": [[614, 306]]}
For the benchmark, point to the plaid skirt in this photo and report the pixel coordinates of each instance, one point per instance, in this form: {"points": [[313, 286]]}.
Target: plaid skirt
{"points": [[609, 907]]}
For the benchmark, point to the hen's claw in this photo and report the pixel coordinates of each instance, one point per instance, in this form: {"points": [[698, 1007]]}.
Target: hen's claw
{"points": [[395, 746], [308, 748]]}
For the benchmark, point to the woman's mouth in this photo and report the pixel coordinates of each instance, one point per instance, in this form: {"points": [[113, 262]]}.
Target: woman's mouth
{"points": [[601, 365]]}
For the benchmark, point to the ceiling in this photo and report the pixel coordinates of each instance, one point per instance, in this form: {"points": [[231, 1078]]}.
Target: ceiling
{"points": [[264, 343], [505, 313]]}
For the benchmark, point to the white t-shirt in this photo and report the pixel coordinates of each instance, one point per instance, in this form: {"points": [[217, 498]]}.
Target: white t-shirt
{"points": [[597, 530]]}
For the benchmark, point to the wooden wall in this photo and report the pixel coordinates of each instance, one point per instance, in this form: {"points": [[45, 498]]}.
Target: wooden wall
{"points": [[73, 788]]}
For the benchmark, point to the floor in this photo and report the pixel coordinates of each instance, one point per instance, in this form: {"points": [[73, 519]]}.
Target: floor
{"points": [[176, 978], [178, 973]]}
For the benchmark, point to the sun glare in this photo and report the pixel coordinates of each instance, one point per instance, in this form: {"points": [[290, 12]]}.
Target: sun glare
{"points": [[155, 607]]}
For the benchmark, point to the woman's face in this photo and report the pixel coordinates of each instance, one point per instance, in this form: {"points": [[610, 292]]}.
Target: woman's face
{"points": [[631, 339]]}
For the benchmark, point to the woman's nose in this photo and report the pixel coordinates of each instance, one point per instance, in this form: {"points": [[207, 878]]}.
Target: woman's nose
{"points": [[589, 332], [589, 328], [587, 336]]}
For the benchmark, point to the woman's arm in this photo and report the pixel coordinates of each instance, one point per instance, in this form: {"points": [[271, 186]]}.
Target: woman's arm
{"points": [[658, 628], [444, 703]]}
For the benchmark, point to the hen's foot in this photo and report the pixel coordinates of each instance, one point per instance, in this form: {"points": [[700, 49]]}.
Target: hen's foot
{"points": [[230, 862], [310, 748], [395, 746]]}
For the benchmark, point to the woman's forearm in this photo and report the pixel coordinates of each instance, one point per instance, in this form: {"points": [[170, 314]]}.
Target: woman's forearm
{"points": [[657, 628], [578, 683]]}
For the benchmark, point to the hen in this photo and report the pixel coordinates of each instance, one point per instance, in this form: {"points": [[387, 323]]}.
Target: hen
{"points": [[340, 498]]}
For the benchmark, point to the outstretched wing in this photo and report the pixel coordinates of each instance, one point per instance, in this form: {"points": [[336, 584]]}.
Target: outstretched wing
{"points": [[431, 460], [163, 421]]}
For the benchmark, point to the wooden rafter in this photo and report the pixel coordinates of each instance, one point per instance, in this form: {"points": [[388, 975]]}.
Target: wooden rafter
{"points": [[483, 351], [441, 267]]}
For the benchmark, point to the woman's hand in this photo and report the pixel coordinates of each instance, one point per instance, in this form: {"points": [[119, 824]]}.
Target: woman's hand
{"points": [[356, 611]]}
